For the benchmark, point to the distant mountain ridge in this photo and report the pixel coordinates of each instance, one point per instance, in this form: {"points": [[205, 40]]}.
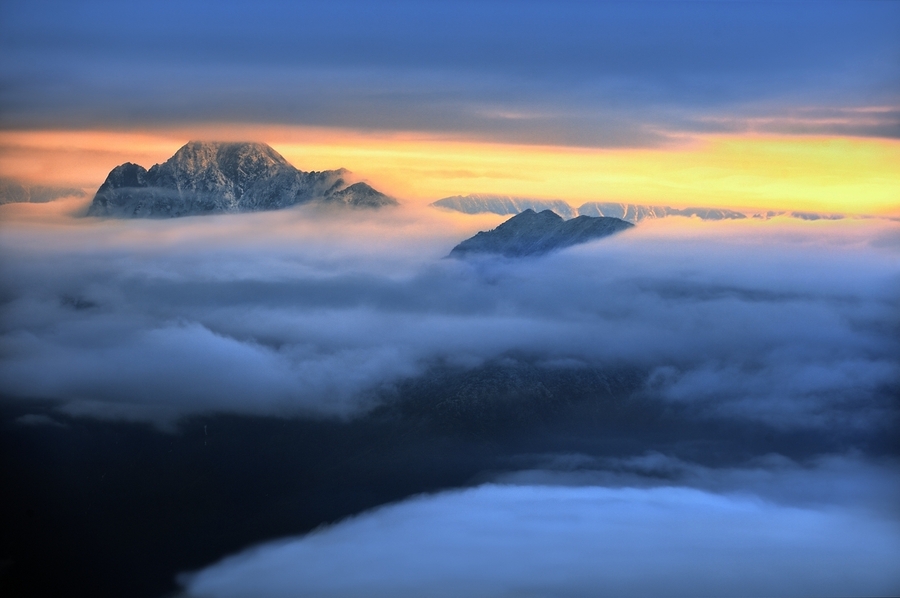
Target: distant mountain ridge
{"points": [[217, 177], [15, 192], [537, 233], [504, 205], [634, 213]]}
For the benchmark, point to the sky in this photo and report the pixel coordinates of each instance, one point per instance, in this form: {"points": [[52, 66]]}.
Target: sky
{"points": [[750, 105], [686, 408]]}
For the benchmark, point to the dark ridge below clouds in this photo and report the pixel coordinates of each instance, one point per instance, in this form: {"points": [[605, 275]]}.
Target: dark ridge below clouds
{"points": [[578, 73]]}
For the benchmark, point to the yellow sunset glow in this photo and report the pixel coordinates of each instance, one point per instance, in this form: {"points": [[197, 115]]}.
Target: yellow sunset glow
{"points": [[749, 172]]}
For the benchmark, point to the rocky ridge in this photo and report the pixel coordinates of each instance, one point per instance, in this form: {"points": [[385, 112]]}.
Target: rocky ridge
{"points": [[503, 205], [537, 233], [634, 213], [216, 177]]}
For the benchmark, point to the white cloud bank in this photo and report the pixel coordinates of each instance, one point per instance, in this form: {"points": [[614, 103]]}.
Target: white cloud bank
{"points": [[513, 541]]}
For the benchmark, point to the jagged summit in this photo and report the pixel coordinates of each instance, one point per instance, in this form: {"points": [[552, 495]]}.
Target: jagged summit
{"points": [[536, 233], [205, 177], [233, 160]]}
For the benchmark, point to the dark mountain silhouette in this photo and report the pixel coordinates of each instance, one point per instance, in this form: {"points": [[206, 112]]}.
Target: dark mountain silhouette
{"points": [[536, 233]]}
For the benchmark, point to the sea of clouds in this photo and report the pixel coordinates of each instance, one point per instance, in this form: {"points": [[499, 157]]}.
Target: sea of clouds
{"points": [[308, 312]]}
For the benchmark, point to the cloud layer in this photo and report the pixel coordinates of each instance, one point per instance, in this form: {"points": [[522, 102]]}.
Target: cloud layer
{"points": [[793, 325], [527, 540]]}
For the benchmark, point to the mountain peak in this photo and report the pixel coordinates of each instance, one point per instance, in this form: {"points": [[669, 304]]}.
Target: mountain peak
{"points": [[530, 215], [536, 233], [222, 152], [212, 177]]}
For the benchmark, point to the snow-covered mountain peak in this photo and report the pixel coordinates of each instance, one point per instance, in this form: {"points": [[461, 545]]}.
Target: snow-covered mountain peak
{"points": [[212, 177]]}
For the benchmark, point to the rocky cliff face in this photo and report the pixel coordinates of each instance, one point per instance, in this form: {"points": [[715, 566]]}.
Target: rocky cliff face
{"points": [[533, 233], [211, 177]]}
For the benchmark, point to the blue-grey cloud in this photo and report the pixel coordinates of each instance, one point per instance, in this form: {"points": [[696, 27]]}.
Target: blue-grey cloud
{"points": [[663, 539], [793, 326], [846, 480], [580, 73]]}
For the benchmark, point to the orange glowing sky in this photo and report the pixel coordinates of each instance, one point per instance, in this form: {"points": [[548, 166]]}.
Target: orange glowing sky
{"points": [[743, 105], [745, 172]]}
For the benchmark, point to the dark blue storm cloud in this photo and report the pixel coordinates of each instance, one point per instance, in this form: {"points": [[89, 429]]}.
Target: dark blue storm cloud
{"points": [[582, 73]]}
